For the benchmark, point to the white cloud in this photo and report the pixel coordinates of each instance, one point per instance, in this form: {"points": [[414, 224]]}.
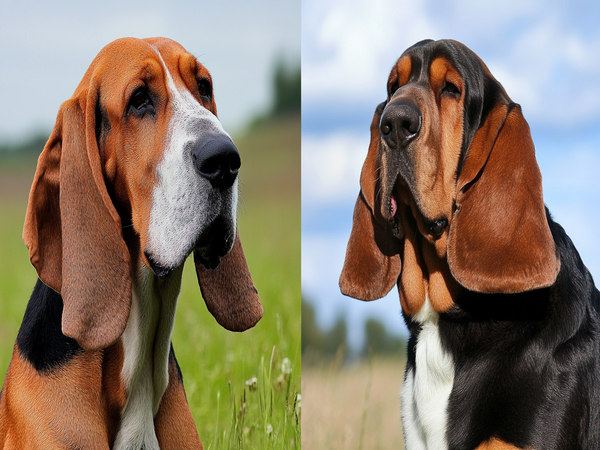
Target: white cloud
{"points": [[550, 71], [349, 48], [331, 166], [538, 50], [572, 193]]}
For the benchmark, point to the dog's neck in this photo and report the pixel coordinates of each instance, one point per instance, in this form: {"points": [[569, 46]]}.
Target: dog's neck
{"points": [[425, 276], [146, 345]]}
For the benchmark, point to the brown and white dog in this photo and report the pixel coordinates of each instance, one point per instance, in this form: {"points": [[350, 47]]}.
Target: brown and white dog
{"points": [[137, 174], [504, 318]]}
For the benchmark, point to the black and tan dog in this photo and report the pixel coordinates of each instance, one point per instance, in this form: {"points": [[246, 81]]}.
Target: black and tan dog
{"points": [[504, 317], [137, 175]]}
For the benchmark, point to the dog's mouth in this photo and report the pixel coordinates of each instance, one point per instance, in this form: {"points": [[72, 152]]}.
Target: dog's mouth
{"points": [[215, 242], [401, 201], [394, 219]]}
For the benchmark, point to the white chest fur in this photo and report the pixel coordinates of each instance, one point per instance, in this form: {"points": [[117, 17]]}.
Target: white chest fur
{"points": [[146, 345], [427, 387]]}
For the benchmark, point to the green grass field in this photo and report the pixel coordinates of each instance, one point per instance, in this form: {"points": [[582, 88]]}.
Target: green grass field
{"points": [[232, 410]]}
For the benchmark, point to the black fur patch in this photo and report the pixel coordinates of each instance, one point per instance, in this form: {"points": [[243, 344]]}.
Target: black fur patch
{"points": [[172, 356], [40, 339], [527, 365], [102, 124]]}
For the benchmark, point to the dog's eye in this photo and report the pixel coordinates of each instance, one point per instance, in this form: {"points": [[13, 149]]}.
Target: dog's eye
{"points": [[140, 101], [139, 98], [450, 89], [393, 88], [204, 90]]}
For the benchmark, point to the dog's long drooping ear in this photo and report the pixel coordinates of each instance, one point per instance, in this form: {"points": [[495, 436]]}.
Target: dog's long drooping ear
{"points": [[229, 291], [499, 240], [372, 265], [73, 231]]}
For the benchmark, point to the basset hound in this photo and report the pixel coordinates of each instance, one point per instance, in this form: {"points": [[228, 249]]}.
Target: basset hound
{"points": [[137, 174], [504, 318]]}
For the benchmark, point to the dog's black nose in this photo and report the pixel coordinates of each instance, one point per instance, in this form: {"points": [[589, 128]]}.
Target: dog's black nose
{"points": [[400, 124], [217, 160]]}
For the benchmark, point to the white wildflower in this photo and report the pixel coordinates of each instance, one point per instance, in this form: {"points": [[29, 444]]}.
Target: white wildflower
{"points": [[252, 384], [286, 366]]}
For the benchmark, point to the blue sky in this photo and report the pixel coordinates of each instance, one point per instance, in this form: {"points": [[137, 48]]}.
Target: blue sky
{"points": [[46, 47], [545, 53]]}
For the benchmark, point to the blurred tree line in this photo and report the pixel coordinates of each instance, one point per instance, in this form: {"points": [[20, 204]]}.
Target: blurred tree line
{"points": [[25, 151], [286, 88], [286, 85], [319, 345]]}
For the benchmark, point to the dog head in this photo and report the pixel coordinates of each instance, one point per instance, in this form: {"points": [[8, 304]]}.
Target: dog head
{"points": [[139, 146], [451, 194]]}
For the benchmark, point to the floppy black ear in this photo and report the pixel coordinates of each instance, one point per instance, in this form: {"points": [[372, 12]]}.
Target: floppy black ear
{"points": [[372, 265], [73, 231], [500, 240]]}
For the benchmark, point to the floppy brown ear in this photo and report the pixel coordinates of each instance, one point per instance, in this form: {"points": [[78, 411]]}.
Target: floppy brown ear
{"points": [[499, 240], [73, 231], [372, 265], [228, 290]]}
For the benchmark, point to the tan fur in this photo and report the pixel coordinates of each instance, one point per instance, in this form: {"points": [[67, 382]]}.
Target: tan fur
{"points": [[436, 157], [174, 424], [505, 203], [30, 403], [412, 284], [497, 444]]}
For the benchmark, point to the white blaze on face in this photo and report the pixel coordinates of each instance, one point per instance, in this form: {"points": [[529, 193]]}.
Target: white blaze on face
{"points": [[184, 203]]}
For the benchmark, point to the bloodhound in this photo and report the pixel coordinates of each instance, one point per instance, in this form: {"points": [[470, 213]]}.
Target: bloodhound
{"points": [[504, 348], [137, 174]]}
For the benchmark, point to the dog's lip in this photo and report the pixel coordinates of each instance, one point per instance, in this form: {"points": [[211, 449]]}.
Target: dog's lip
{"points": [[208, 259], [393, 200], [205, 254], [390, 212], [159, 270], [431, 228], [209, 252]]}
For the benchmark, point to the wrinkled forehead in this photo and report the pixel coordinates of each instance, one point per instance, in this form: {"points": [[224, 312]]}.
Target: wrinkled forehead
{"points": [[177, 59], [419, 63], [414, 64], [148, 59]]}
